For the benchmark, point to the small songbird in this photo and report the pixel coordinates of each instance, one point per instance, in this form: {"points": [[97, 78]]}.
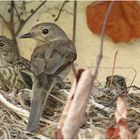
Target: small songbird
{"points": [[52, 57], [118, 83], [13, 68]]}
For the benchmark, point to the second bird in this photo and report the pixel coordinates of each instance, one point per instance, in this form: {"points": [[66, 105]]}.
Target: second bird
{"points": [[15, 71], [53, 55]]}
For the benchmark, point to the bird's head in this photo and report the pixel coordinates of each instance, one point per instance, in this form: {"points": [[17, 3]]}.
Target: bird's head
{"points": [[8, 50], [6, 44], [45, 32]]}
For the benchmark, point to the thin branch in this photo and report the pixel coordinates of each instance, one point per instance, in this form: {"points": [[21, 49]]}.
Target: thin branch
{"points": [[3, 19], [56, 98], [60, 11], [12, 15], [74, 21], [133, 79], [24, 22], [18, 15], [122, 68], [18, 110], [113, 69], [100, 56], [6, 22], [74, 32], [12, 27]]}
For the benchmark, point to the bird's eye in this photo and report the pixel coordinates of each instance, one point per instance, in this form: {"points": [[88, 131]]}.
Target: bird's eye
{"points": [[45, 31], [1, 44]]}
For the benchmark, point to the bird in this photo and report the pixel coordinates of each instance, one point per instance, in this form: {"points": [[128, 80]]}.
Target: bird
{"points": [[118, 83], [52, 58], [15, 70]]}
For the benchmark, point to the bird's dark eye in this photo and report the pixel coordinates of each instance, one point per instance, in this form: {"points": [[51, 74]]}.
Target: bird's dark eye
{"points": [[1, 44], [45, 31]]}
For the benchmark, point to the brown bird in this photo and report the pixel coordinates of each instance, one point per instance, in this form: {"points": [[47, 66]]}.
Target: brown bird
{"points": [[118, 83], [14, 70], [53, 55]]}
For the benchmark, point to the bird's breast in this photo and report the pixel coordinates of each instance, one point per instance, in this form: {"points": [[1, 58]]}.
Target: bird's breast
{"points": [[9, 76], [12, 78]]}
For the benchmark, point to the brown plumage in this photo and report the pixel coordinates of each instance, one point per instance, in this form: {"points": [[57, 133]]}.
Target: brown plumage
{"points": [[14, 70]]}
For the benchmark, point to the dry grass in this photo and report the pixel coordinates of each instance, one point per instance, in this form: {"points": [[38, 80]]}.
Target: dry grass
{"points": [[99, 114]]}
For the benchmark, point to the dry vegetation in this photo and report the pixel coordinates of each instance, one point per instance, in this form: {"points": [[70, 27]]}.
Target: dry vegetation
{"points": [[100, 114], [108, 112]]}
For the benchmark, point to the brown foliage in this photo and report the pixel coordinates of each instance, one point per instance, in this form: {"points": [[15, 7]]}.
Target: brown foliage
{"points": [[123, 21]]}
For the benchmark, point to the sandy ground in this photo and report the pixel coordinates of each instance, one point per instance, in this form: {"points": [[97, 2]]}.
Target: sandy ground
{"points": [[87, 43]]}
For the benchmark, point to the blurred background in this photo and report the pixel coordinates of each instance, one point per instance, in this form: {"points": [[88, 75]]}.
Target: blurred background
{"points": [[18, 17]]}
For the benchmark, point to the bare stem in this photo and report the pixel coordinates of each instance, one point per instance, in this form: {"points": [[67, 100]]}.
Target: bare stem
{"points": [[12, 27], [5, 22], [74, 21], [60, 10], [18, 15], [113, 69], [74, 32], [100, 56], [3, 19], [24, 21]]}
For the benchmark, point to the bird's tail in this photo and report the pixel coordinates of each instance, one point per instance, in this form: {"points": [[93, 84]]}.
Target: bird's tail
{"points": [[38, 102]]}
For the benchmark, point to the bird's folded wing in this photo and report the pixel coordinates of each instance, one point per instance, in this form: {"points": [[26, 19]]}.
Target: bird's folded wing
{"points": [[58, 63], [24, 71], [60, 57]]}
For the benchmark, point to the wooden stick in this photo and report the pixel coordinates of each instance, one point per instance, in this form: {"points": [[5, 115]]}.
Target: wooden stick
{"points": [[74, 32], [113, 69], [73, 114]]}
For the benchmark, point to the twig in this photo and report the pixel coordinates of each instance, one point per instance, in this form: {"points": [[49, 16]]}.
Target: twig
{"points": [[3, 19], [74, 21], [100, 106], [133, 79], [6, 22], [18, 15], [60, 11], [24, 21], [18, 110], [113, 69], [134, 86], [12, 13], [74, 32], [100, 56], [35, 11], [61, 101], [12, 27], [135, 72], [99, 83]]}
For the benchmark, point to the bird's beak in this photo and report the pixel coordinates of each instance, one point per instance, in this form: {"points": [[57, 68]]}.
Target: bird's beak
{"points": [[27, 35]]}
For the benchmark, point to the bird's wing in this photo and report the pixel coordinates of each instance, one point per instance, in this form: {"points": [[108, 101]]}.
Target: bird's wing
{"points": [[4, 83], [24, 68], [59, 60], [27, 78], [55, 59]]}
